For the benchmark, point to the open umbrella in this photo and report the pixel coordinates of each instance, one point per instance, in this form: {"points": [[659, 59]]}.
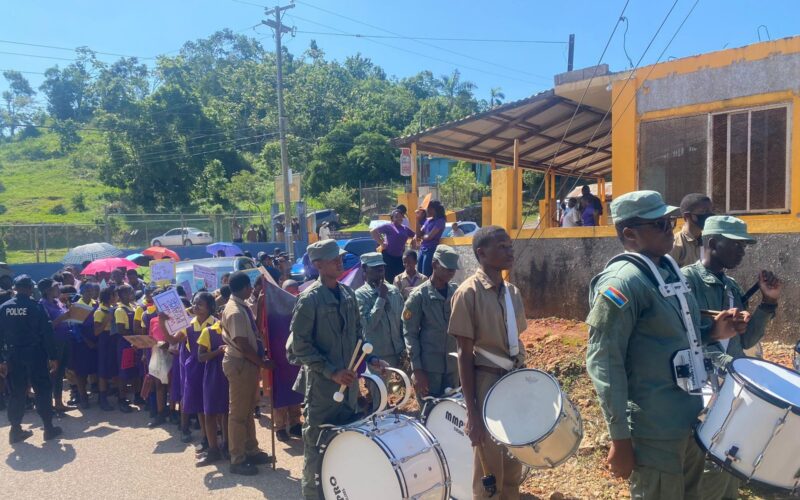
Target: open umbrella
{"points": [[138, 258], [108, 265], [229, 248], [161, 253], [92, 251]]}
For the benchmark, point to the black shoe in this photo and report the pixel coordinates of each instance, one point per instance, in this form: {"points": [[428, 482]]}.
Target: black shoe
{"points": [[244, 469], [74, 398], [125, 407], [260, 458], [257, 412], [282, 435], [138, 401], [202, 447], [296, 431], [17, 435], [84, 403], [156, 421], [52, 433], [186, 436], [209, 458]]}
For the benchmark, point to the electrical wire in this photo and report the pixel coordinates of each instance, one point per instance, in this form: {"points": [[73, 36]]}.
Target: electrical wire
{"points": [[433, 38]]}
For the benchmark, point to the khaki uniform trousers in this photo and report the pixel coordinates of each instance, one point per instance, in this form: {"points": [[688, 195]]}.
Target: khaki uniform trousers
{"points": [[507, 471], [243, 378]]}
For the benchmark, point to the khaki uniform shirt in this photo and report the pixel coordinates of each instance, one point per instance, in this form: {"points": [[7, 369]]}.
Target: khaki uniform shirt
{"points": [[722, 292], [381, 320], [479, 313], [407, 285], [236, 324], [425, 322], [633, 334], [686, 249]]}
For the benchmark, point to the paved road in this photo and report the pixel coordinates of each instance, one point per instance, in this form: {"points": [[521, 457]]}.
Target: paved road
{"points": [[114, 456]]}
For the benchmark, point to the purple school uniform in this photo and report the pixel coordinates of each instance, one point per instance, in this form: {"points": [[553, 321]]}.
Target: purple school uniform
{"points": [[176, 374], [107, 363], [132, 373], [84, 358], [192, 376], [215, 383]]}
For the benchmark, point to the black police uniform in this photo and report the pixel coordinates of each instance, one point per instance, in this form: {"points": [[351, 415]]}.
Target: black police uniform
{"points": [[26, 344]]}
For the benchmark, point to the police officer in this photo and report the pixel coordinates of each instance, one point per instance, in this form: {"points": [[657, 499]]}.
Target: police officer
{"points": [[381, 305], [724, 240], [425, 319], [634, 332], [325, 328], [26, 345]]}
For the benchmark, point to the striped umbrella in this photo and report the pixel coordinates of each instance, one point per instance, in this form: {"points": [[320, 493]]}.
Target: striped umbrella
{"points": [[92, 251]]}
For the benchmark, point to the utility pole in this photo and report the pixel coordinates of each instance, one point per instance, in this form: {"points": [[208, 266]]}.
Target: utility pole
{"points": [[279, 30], [571, 57]]}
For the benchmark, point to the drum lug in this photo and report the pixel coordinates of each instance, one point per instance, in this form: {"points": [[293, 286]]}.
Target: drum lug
{"points": [[730, 455], [549, 462]]}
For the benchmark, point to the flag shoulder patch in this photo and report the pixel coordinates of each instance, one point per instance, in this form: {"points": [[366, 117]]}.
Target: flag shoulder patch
{"points": [[615, 296]]}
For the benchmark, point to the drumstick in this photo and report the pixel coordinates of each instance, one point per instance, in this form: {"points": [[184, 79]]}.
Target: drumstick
{"points": [[355, 353], [709, 312], [338, 396]]}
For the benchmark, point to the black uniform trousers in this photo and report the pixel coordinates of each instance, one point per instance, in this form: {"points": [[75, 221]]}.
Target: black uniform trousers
{"points": [[28, 366]]}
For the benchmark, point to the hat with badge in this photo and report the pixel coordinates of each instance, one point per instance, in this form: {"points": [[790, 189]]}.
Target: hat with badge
{"points": [[324, 250], [372, 259], [23, 280], [728, 227], [446, 256], [640, 205]]}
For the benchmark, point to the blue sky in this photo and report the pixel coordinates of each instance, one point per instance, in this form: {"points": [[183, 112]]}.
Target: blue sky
{"points": [[146, 28]]}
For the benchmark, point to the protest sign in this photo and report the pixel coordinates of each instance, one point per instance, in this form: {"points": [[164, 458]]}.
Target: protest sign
{"points": [[169, 303], [162, 272], [206, 276]]}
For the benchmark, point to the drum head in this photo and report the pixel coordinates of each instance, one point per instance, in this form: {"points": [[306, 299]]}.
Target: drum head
{"points": [[354, 466], [522, 407], [446, 422], [770, 380]]}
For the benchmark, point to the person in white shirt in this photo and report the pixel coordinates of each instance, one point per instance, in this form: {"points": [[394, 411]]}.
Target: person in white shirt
{"points": [[572, 217]]}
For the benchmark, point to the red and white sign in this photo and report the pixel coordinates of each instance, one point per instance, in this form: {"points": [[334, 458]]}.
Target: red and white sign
{"points": [[405, 162]]}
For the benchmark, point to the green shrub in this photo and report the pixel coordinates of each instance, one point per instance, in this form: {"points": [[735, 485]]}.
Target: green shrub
{"points": [[58, 210]]}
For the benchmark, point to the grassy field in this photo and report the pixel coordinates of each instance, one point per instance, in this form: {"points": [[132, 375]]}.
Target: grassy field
{"points": [[29, 256], [36, 177]]}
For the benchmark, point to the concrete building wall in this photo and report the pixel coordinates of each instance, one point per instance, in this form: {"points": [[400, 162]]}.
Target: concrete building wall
{"points": [[553, 275]]}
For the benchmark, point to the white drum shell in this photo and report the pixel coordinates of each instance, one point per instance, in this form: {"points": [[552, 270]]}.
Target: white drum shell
{"points": [[765, 437], [557, 447], [446, 421], [384, 457]]}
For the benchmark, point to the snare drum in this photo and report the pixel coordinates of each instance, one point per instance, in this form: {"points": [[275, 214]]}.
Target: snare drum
{"points": [[752, 427], [445, 419], [527, 412], [385, 456]]}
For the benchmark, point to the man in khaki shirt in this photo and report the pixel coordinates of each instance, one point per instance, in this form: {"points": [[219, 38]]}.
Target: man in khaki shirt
{"points": [[409, 279], [244, 357], [478, 321], [688, 246]]}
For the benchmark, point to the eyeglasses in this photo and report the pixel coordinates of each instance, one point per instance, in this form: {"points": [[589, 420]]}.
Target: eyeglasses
{"points": [[664, 225]]}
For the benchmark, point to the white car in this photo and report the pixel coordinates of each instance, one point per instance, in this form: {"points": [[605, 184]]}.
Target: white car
{"points": [[186, 236]]}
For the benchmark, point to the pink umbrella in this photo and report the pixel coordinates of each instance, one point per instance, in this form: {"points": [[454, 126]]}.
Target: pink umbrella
{"points": [[108, 265]]}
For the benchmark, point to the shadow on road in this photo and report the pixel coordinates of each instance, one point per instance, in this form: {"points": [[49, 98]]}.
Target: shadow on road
{"points": [[267, 481], [52, 456]]}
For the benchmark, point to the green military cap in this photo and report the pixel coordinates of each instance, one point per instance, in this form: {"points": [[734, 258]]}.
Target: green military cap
{"points": [[372, 259], [729, 227], [642, 205], [446, 256], [324, 250]]}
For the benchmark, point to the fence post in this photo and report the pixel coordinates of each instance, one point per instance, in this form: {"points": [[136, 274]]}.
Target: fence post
{"points": [[44, 242], [360, 196], [36, 242], [66, 235]]}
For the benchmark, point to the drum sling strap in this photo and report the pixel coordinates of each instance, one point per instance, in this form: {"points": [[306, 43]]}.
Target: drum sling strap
{"points": [[689, 365]]}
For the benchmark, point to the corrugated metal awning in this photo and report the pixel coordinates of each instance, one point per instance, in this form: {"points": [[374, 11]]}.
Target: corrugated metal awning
{"points": [[539, 122]]}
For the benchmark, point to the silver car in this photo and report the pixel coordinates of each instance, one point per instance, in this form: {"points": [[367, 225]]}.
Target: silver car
{"points": [[186, 236]]}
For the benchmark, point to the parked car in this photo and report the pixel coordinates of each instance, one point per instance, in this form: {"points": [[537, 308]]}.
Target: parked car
{"points": [[184, 269], [186, 236]]}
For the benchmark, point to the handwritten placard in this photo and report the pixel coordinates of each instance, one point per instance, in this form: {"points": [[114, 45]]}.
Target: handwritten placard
{"points": [[162, 272], [140, 341], [205, 275], [187, 287], [169, 303]]}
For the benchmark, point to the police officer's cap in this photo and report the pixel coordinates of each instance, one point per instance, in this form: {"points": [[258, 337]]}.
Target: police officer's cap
{"points": [[372, 259], [23, 280], [446, 256], [260, 256], [324, 250], [640, 205], [729, 227]]}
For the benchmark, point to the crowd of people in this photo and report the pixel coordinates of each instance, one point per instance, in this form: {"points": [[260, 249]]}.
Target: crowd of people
{"points": [[417, 319], [583, 211]]}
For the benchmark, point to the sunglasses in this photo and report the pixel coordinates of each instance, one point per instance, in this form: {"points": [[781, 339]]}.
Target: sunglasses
{"points": [[664, 225]]}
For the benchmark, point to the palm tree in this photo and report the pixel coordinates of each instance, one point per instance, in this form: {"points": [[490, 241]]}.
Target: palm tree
{"points": [[496, 96], [452, 87]]}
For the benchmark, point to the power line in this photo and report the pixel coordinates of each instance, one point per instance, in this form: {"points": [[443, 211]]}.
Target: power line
{"points": [[433, 38], [36, 56], [56, 47]]}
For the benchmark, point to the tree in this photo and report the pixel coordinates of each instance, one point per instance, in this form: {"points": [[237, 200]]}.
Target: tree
{"points": [[453, 88], [496, 96], [251, 191], [461, 187], [68, 138], [210, 188], [342, 200], [69, 91], [18, 99]]}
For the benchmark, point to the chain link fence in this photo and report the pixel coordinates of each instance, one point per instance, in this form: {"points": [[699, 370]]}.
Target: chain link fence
{"points": [[381, 199]]}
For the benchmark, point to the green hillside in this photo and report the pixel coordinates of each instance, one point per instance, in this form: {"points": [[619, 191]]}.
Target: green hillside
{"points": [[37, 178]]}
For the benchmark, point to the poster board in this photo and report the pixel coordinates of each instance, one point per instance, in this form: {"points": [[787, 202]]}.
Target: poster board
{"points": [[162, 272], [169, 303], [140, 341], [78, 312], [253, 274], [205, 275]]}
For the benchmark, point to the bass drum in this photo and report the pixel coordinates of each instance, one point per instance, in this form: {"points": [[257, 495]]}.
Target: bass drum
{"points": [[527, 412], [752, 427], [386, 456]]}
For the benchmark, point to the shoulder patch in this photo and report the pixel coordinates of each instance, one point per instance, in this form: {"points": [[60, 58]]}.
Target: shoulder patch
{"points": [[407, 314], [615, 296]]}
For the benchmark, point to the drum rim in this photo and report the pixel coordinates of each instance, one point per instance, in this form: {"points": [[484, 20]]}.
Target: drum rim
{"points": [[552, 427], [430, 404], [773, 400], [730, 470], [572, 452]]}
